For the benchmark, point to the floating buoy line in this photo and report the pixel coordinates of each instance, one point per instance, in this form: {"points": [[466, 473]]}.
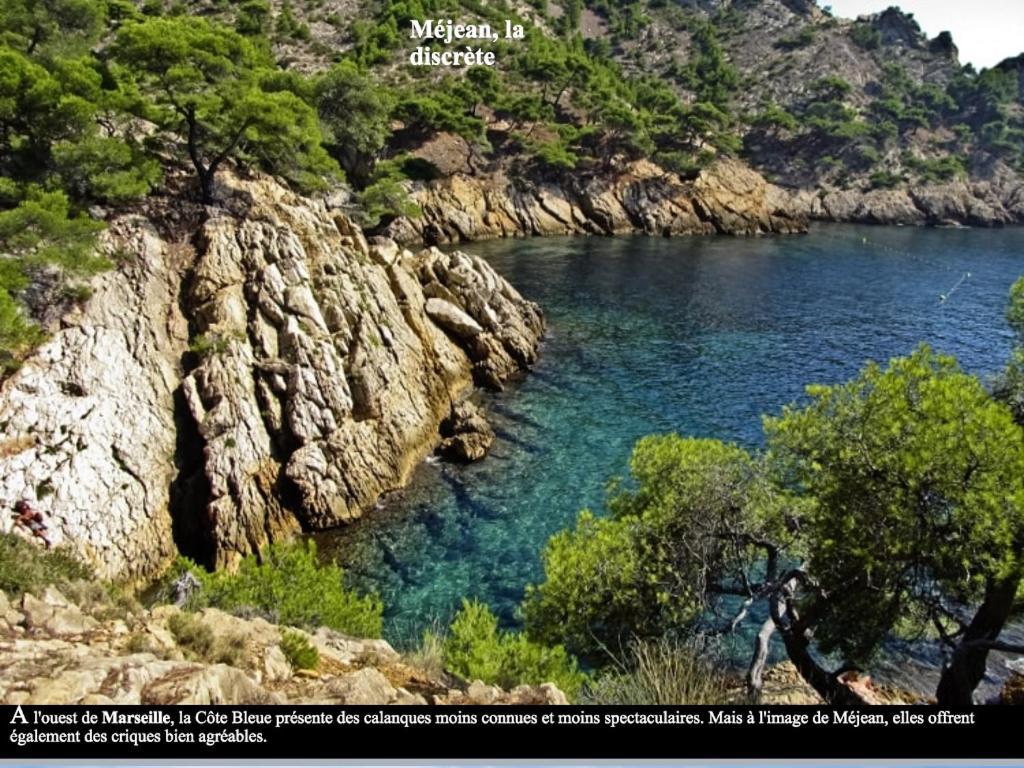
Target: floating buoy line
{"points": [[868, 243]]}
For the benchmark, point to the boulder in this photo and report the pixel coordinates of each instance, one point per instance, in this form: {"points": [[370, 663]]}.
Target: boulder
{"points": [[364, 687], [55, 616], [467, 436], [452, 319]]}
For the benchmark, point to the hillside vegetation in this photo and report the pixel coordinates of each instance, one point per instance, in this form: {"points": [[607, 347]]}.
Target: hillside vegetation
{"points": [[103, 102]]}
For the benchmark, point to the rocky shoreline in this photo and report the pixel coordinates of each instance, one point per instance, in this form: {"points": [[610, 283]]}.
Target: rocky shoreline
{"points": [[268, 370], [728, 198], [272, 372]]}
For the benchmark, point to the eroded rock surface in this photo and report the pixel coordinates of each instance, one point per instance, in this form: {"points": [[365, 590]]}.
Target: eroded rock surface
{"points": [[87, 429], [136, 658], [467, 434], [310, 378], [727, 198]]}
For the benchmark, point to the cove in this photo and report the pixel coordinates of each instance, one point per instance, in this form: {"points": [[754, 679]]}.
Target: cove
{"points": [[699, 336]]}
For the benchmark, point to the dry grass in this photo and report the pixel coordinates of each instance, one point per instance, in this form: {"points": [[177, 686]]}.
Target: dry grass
{"points": [[659, 672]]}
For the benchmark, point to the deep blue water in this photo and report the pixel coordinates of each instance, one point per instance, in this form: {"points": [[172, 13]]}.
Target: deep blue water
{"points": [[698, 336]]}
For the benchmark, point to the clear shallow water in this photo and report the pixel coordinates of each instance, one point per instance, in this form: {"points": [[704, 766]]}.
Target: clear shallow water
{"points": [[697, 336]]}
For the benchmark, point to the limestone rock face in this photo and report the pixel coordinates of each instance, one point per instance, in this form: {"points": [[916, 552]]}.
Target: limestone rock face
{"points": [[310, 377], [993, 203], [726, 198], [87, 430]]}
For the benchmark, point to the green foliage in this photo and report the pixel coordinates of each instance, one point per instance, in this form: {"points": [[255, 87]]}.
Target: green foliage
{"points": [[475, 649], [289, 584], [385, 197], [301, 654], [39, 234], [894, 496], [596, 591], [18, 334], [801, 39], [1015, 310], [207, 345], [944, 168], [253, 16], [37, 26], [712, 78], [202, 84], [866, 36], [643, 572], [25, 567], [103, 169], [659, 673], [354, 112], [775, 117], [922, 457], [885, 180], [288, 25]]}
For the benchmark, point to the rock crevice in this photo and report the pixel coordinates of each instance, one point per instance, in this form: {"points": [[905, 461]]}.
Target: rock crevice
{"points": [[317, 370]]}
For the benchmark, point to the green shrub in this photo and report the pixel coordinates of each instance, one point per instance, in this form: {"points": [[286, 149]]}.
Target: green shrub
{"points": [[866, 36], [659, 672], [476, 649], [290, 586], [199, 643], [25, 567], [801, 39], [209, 345], [301, 654], [885, 180], [191, 633], [945, 168]]}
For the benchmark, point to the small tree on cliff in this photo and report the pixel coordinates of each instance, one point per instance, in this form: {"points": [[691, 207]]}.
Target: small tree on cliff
{"points": [[893, 503], [201, 83]]}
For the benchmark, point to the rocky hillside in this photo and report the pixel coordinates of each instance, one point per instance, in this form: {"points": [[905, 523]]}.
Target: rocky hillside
{"points": [[266, 371], [56, 651], [879, 122], [862, 120]]}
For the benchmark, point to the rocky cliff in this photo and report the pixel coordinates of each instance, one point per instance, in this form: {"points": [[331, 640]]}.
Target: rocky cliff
{"points": [[272, 371], [728, 198]]}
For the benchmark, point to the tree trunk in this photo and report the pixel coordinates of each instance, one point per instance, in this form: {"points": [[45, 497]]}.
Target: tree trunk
{"points": [[755, 674], [794, 633], [967, 667], [205, 185]]}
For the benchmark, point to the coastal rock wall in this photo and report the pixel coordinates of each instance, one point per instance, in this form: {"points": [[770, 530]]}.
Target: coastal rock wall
{"points": [[334, 361], [311, 375], [87, 427], [728, 198], [992, 203]]}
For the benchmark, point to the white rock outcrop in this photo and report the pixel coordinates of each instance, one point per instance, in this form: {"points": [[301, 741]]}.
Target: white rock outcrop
{"points": [[278, 372]]}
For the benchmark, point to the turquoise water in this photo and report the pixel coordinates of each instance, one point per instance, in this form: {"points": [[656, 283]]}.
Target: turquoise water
{"points": [[696, 336]]}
